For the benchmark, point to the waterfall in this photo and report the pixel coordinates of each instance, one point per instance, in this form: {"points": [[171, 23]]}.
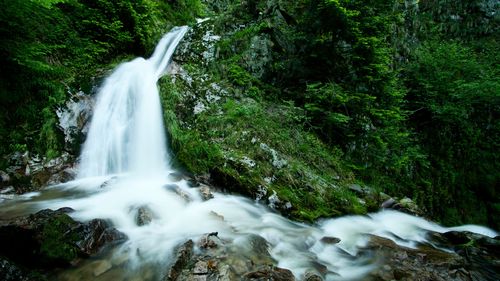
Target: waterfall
{"points": [[126, 134], [124, 167]]}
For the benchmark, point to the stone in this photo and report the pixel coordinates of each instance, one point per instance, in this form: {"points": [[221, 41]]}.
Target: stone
{"points": [[205, 192], [470, 261], [408, 206], [388, 203], [330, 240], [63, 176], [52, 239], [175, 176], [311, 276], [101, 267], [270, 273], [143, 216], [200, 267], [96, 234], [226, 274], [209, 240], [184, 254]]}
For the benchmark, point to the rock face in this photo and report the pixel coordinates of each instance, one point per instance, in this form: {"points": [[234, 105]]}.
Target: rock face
{"points": [[476, 257], [27, 173], [52, 238]]}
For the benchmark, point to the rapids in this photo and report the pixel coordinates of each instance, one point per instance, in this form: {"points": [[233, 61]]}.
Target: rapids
{"points": [[125, 165]]}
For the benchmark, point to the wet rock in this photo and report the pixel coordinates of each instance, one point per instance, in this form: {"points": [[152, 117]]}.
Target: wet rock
{"points": [[63, 176], [175, 188], [100, 267], [11, 272], [330, 240], [40, 178], [405, 205], [360, 190], [270, 273], [226, 274], [205, 192], [388, 203], [52, 238], [96, 234], [184, 254], [408, 206], [4, 179], [209, 240], [477, 259], [176, 176], [171, 187], [143, 216], [201, 267], [311, 276], [109, 182]]}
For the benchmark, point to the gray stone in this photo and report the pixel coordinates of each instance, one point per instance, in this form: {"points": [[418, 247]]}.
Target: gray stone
{"points": [[184, 254], [201, 267], [330, 240], [205, 192], [101, 267], [311, 276], [143, 216]]}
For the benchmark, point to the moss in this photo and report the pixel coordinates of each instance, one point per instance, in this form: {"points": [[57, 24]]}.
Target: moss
{"points": [[58, 240], [249, 144]]}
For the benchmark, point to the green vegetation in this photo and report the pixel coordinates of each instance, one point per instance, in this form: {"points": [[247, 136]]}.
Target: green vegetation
{"points": [[402, 97], [294, 98], [57, 243], [51, 47]]}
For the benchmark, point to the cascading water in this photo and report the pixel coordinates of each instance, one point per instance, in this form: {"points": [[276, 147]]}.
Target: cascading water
{"points": [[124, 167], [127, 133]]}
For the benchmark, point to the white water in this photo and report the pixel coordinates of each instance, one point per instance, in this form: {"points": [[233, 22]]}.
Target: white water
{"points": [[127, 133], [127, 139]]}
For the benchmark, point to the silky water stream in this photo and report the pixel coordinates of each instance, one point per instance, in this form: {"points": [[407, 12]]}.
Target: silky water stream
{"points": [[125, 166]]}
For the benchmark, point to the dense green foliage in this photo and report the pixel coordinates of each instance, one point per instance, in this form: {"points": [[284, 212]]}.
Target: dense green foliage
{"points": [[51, 47], [408, 91], [402, 96]]}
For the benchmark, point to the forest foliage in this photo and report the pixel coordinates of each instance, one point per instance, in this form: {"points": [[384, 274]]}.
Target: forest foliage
{"points": [[407, 90]]}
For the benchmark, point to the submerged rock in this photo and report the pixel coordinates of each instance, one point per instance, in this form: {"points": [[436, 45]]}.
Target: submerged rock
{"points": [[143, 216], [330, 240]]}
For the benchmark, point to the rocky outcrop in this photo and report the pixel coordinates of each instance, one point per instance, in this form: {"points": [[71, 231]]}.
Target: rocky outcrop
{"points": [[52, 238], [475, 257], [28, 173], [213, 259]]}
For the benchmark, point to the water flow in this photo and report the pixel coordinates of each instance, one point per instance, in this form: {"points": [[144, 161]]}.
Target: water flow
{"points": [[127, 138], [127, 133]]}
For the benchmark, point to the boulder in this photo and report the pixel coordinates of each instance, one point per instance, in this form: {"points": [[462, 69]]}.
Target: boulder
{"points": [[311, 276], [184, 254], [330, 240], [476, 259], [270, 273], [143, 216], [50, 239], [205, 192]]}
